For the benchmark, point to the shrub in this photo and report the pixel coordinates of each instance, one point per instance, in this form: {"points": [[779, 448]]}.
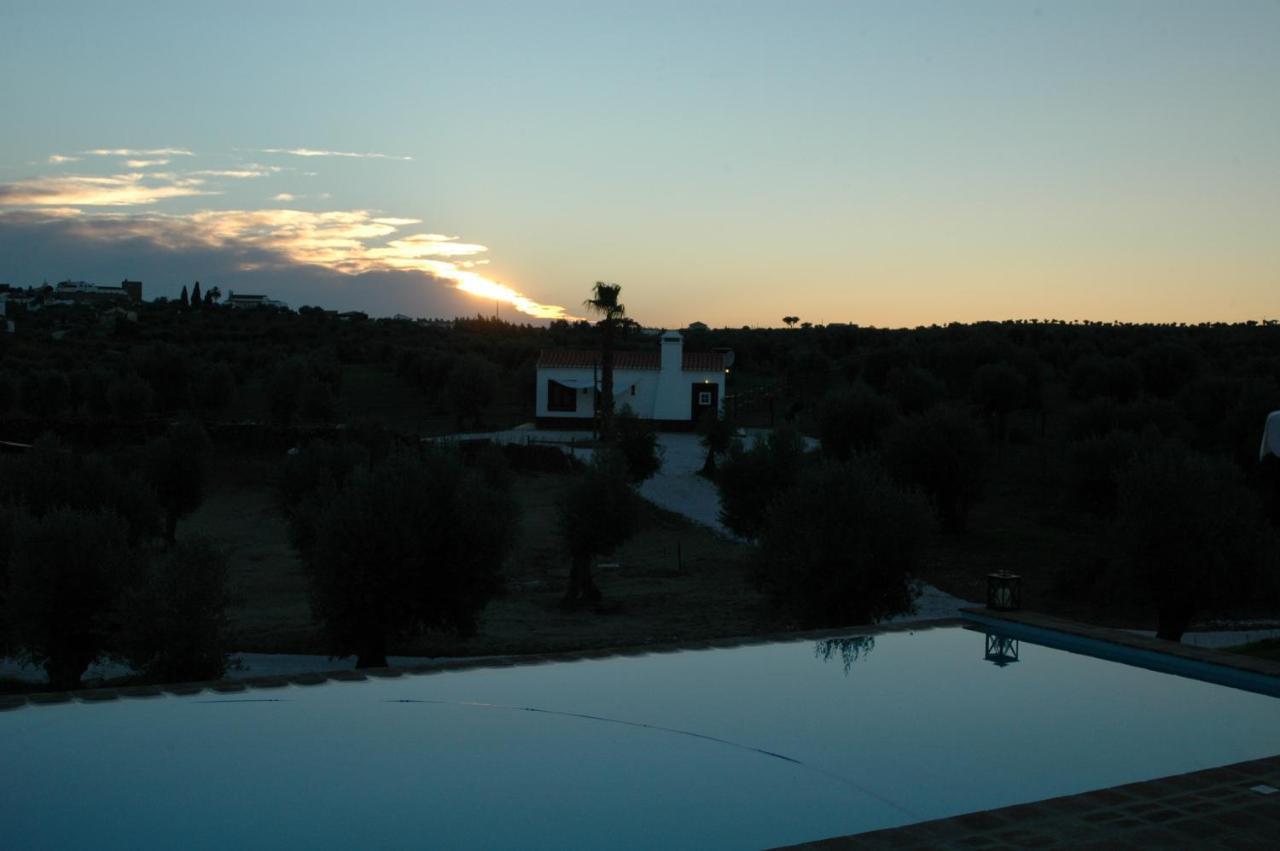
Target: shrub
{"points": [[130, 397], [842, 546]]}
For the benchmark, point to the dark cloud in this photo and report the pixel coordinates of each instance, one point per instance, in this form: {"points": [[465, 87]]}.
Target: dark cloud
{"points": [[35, 247]]}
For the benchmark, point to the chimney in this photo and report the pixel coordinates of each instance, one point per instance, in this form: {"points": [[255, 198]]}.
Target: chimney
{"points": [[672, 352]]}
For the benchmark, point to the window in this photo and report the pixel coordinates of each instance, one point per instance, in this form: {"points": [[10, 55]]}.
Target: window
{"points": [[704, 397], [561, 398]]}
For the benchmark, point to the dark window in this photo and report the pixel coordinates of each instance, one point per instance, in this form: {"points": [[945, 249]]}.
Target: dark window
{"points": [[561, 398]]}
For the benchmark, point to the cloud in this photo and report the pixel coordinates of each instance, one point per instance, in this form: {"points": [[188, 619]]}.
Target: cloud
{"points": [[336, 246], [144, 163], [284, 196], [313, 152], [243, 173], [138, 152], [59, 159], [120, 190]]}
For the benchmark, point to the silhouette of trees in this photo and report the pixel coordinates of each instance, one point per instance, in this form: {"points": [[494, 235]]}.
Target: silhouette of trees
{"points": [[196, 299], [716, 434], [638, 443], [413, 544], [597, 514], [842, 546], [67, 572], [175, 625], [176, 466], [940, 452], [183, 299], [853, 420], [999, 389], [130, 397], [1190, 536], [750, 479], [604, 301], [471, 388], [790, 321]]}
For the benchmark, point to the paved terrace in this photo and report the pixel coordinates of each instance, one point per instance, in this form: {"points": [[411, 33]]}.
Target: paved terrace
{"points": [[1235, 806]]}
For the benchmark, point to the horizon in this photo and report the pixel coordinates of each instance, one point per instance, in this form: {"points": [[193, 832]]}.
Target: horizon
{"points": [[886, 166]]}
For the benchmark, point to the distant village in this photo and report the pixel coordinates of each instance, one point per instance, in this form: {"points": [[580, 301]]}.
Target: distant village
{"points": [[111, 304]]}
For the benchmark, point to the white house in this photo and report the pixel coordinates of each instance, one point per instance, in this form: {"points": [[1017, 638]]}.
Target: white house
{"points": [[670, 386]]}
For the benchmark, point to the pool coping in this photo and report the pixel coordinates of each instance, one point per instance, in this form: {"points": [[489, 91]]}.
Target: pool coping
{"points": [[111, 693]]}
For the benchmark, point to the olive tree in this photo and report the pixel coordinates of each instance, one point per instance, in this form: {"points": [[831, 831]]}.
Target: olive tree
{"points": [[1189, 536], [597, 514], [415, 543], [842, 545]]}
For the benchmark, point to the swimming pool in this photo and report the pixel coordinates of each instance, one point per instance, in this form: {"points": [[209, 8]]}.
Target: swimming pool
{"points": [[735, 747]]}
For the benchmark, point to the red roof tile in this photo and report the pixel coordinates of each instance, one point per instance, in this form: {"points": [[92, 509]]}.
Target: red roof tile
{"points": [[585, 359]]}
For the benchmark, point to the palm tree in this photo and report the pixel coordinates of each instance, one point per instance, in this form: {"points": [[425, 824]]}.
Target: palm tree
{"points": [[604, 301]]}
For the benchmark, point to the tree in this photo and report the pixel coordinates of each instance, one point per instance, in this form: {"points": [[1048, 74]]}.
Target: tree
{"points": [[412, 545], [842, 546], [751, 478], [999, 389], [176, 465], [940, 452], [597, 514], [284, 388], [67, 572], [472, 385], [790, 321], [213, 295], [716, 435], [1190, 536], [853, 420], [638, 443], [196, 299], [175, 625], [130, 397], [604, 301], [49, 477], [183, 299], [213, 389]]}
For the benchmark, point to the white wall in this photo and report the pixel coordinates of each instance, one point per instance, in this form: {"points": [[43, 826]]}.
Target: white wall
{"points": [[644, 380]]}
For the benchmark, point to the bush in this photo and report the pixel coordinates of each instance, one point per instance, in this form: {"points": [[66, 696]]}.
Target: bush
{"points": [[175, 620], [1094, 466], [751, 478], [941, 453], [915, 390], [414, 544], [843, 545], [471, 388]]}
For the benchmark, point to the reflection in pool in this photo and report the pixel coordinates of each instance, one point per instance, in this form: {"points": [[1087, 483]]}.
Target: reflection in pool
{"points": [[737, 747]]}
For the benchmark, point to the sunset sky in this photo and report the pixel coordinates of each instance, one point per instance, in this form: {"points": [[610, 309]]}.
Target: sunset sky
{"points": [[889, 164]]}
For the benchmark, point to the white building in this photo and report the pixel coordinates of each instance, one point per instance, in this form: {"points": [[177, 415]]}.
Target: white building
{"points": [[670, 386]]}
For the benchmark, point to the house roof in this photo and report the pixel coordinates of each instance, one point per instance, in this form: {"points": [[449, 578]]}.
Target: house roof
{"points": [[586, 359]]}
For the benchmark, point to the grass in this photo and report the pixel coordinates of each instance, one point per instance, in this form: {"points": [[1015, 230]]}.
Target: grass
{"points": [[674, 580]]}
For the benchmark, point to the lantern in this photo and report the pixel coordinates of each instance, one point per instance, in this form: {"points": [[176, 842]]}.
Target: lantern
{"points": [[1004, 591], [1001, 650]]}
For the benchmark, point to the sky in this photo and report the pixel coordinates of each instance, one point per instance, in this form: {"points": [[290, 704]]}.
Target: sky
{"points": [[888, 164]]}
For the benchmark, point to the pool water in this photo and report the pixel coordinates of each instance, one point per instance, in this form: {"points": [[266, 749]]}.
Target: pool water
{"points": [[742, 747]]}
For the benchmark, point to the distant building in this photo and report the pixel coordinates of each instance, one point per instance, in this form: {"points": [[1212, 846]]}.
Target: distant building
{"points": [[698, 326], [670, 386], [244, 300], [82, 292]]}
